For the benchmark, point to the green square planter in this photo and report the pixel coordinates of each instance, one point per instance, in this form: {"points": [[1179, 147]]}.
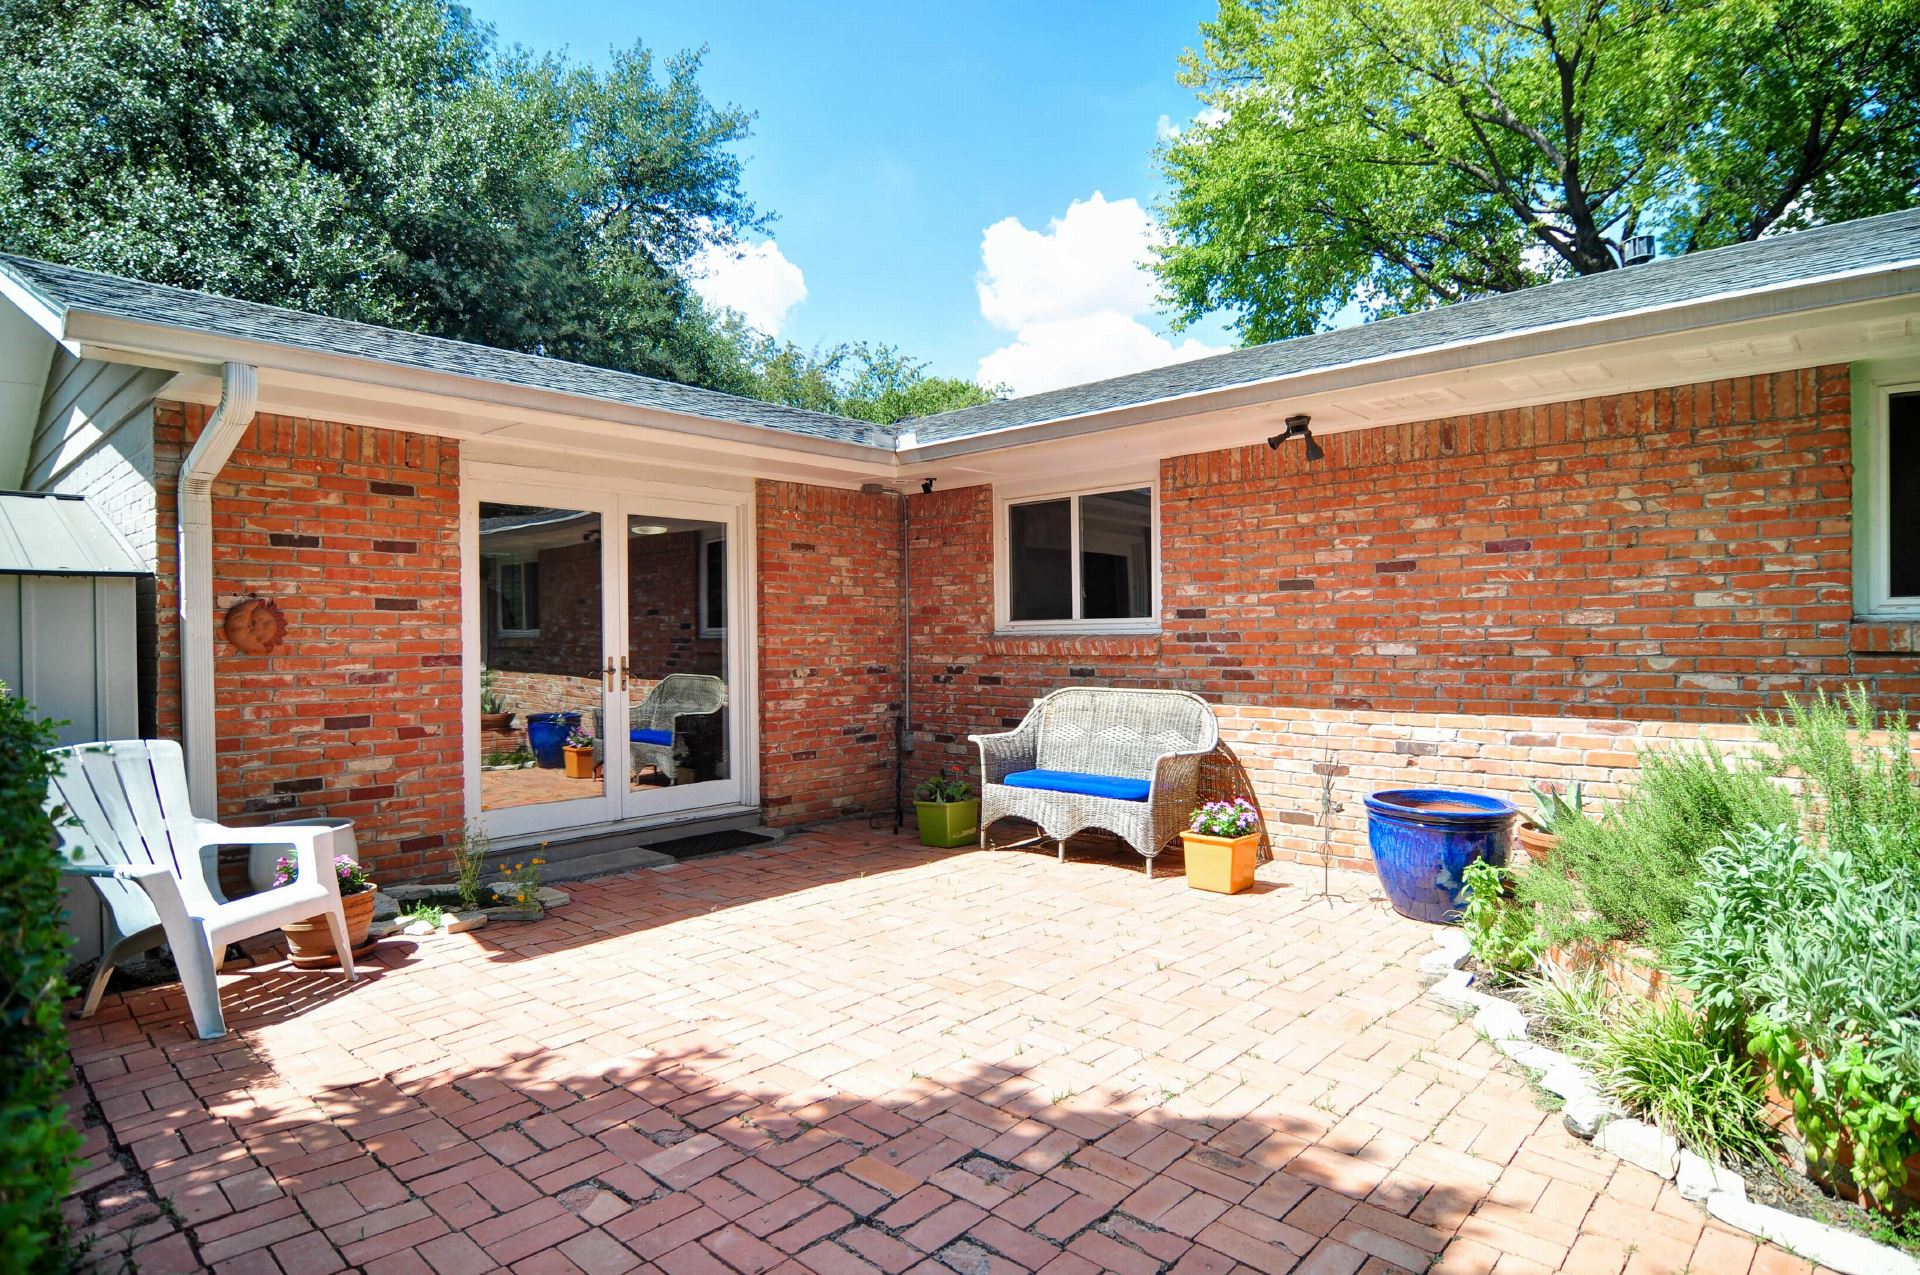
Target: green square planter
{"points": [[948, 825]]}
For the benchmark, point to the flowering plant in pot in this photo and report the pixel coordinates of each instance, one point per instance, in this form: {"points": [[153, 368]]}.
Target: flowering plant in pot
{"points": [[1221, 843], [310, 941], [1540, 832], [579, 753], [947, 810]]}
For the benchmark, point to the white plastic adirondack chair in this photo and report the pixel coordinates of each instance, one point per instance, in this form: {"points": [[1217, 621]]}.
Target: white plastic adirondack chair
{"points": [[122, 813]]}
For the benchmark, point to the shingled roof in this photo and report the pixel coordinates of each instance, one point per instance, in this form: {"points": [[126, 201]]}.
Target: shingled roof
{"points": [[68, 289], [1851, 246]]}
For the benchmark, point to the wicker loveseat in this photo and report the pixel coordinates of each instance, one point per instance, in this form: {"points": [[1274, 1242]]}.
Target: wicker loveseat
{"points": [[659, 725], [1087, 757]]}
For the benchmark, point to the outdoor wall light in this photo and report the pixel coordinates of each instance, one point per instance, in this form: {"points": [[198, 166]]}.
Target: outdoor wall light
{"points": [[1298, 427]]}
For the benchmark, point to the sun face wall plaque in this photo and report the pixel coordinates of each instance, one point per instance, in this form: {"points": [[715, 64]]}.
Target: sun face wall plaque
{"points": [[255, 626]]}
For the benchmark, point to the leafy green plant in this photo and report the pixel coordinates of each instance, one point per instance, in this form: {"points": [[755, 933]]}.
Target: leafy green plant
{"points": [[469, 856], [1813, 959], [1630, 873], [1502, 933], [430, 913], [490, 701], [37, 1146], [946, 786], [1555, 811], [1858, 795], [1566, 1005], [1660, 1060]]}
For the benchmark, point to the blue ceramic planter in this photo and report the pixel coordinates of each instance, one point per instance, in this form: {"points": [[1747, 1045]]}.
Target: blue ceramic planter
{"points": [[547, 735], [1424, 838]]}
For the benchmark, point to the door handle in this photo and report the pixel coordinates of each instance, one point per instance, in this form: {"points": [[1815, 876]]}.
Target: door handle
{"points": [[623, 673], [608, 676]]}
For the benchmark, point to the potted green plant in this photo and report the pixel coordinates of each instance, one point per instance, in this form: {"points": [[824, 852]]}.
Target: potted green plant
{"points": [[494, 715], [1221, 844], [947, 810], [579, 753], [1540, 834], [310, 942]]}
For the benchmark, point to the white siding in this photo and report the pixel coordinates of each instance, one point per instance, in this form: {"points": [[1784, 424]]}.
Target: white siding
{"points": [[94, 438]]}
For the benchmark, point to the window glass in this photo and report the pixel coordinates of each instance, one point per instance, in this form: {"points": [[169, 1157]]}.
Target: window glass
{"points": [[713, 585], [520, 596], [1040, 561], [1116, 555], [1903, 495]]}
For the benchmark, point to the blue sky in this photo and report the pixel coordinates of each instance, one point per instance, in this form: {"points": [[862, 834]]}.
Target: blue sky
{"points": [[890, 137]]}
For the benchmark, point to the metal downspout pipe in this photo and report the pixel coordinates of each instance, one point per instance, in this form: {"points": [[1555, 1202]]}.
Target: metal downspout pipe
{"points": [[239, 394]]}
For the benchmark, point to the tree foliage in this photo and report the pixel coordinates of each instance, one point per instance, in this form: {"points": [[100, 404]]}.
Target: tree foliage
{"points": [[867, 381], [1404, 153], [37, 1146], [380, 160]]}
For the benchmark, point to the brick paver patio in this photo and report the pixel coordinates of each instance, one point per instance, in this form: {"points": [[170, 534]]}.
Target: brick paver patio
{"points": [[853, 1055]]}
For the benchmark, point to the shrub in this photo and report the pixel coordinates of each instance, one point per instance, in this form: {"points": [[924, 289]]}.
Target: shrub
{"points": [[1859, 795], [1502, 934], [1661, 1062], [1813, 959], [1629, 874], [36, 1144]]}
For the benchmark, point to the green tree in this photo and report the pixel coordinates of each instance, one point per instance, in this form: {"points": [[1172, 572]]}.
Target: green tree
{"points": [[378, 160], [1405, 153], [863, 380]]}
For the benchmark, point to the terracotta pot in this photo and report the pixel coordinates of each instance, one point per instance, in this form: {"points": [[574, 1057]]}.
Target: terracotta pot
{"points": [[310, 942], [579, 762], [1223, 865], [496, 722], [1536, 841]]}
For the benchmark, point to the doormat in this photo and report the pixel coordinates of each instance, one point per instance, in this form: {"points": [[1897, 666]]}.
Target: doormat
{"points": [[705, 843]]}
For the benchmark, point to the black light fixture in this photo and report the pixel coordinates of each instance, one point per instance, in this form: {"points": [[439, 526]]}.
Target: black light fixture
{"points": [[926, 486], [1298, 427]]}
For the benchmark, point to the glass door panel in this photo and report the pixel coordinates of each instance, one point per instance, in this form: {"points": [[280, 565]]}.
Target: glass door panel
{"points": [[677, 665], [545, 681]]}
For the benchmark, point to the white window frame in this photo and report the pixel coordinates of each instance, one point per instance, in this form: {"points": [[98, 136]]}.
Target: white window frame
{"points": [[1874, 385], [1004, 497], [707, 628], [500, 628]]}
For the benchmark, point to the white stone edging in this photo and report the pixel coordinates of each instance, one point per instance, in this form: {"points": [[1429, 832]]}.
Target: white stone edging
{"points": [[1590, 1114]]}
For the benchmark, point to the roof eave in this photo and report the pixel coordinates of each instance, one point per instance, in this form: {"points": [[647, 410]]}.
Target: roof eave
{"points": [[175, 346], [1867, 283]]}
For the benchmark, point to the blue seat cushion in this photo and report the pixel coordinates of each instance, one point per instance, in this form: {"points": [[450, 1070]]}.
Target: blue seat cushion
{"points": [[1080, 781], [645, 736]]}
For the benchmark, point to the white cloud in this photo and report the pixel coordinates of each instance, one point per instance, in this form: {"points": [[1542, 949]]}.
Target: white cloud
{"points": [[1088, 347], [756, 280], [1073, 296]]}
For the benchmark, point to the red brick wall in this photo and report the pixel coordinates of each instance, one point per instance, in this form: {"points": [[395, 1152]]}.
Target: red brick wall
{"points": [[353, 532], [663, 619], [1448, 591], [829, 585]]}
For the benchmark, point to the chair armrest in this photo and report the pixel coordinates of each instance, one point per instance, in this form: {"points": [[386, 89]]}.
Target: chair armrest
{"points": [[1007, 751], [122, 871], [1171, 770], [312, 847]]}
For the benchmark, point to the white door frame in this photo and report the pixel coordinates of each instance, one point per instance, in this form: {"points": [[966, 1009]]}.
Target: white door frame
{"points": [[616, 498]]}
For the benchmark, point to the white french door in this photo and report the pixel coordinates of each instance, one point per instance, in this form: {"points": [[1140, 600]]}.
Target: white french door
{"points": [[614, 620]]}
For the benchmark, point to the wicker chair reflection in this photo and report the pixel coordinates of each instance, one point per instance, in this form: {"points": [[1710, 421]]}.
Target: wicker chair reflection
{"points": [[658, 727], [1089, 757]]}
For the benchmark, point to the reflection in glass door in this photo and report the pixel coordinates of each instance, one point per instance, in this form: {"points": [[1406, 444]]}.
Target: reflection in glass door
{"points": [[545, 684], [675, 666]]}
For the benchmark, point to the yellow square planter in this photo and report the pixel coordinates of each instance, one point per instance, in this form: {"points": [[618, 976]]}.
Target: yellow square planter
{"points": [[1223, 865]]}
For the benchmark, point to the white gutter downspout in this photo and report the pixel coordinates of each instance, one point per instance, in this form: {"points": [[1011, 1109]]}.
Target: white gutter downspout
{"points": [[239, 392]]}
